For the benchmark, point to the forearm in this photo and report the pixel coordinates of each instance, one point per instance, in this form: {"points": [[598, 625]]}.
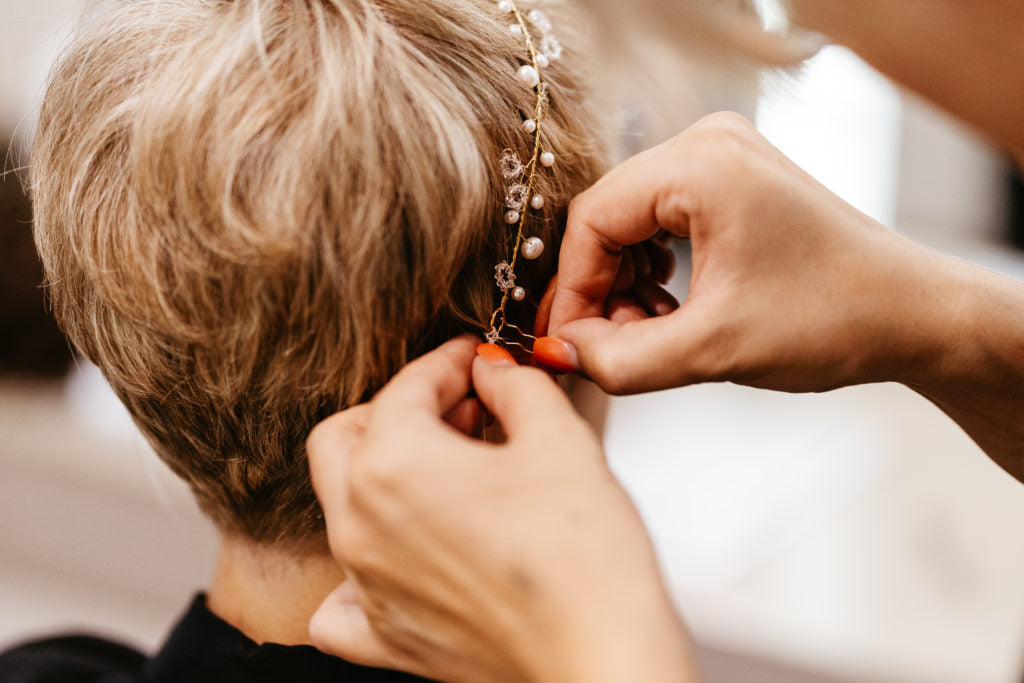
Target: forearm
{"points": [[941, 49], [652, 646], [974, 367]]}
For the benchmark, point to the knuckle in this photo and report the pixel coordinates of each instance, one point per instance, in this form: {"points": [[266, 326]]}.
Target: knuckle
{"points": [[608, 372], [321, 436], [378, 474], [579, 210], [730, 121], [350, 542], [725, 133]]}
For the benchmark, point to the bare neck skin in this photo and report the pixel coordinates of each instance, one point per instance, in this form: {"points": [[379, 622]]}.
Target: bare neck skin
{"points": [[269, 594]]}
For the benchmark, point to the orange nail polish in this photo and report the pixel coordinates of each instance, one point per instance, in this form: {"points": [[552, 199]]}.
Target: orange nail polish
{"points": [[492, 353], [556, 354]]}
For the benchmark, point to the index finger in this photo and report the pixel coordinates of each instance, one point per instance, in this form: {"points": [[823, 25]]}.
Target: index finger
{"points": [[328, 450], [620, 210], [430, 385]]}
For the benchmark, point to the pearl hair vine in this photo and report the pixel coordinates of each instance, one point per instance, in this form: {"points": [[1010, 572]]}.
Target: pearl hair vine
{"points": [[520, 177]]}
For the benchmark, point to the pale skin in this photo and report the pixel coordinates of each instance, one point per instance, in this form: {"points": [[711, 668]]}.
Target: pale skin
{"points": [[530, 563], [269, 593]]}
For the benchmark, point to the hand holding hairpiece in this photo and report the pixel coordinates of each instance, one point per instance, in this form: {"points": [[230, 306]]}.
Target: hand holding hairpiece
{"points": [[519, 192]]}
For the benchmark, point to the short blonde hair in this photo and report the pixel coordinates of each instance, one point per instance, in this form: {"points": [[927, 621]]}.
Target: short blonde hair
{"points": [[252, 213]]}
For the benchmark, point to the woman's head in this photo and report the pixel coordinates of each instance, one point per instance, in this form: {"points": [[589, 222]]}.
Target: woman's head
{"points": [[252, 213]]}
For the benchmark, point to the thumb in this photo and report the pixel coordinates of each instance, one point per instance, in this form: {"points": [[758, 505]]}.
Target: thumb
{"points": [[521, 398], [637, 356], [341, 628]]}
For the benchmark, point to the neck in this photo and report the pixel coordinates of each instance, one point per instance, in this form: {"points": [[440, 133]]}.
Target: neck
{"points": [[270, 593]]}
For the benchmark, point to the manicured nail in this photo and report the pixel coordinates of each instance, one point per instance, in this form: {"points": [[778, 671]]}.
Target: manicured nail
{"points": [[492, 353], [556, 354]]}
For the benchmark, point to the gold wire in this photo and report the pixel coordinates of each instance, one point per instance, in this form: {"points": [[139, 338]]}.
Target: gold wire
{"points": [[531, 167]]}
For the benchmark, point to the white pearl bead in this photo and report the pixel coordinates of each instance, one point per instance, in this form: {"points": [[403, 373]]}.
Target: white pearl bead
{"points": [[515, 29], [528, 75], [518, 293], [511, 217], [543, 61], [505, 6], [537, 202], [529, 125], [547, 159], [532, 248]]}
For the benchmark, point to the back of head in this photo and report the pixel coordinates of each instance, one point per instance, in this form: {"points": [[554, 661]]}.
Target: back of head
{"points": [[252, 213]]}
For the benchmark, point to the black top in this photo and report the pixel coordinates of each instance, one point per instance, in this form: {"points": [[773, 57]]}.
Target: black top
{"points": [[202, 649]]}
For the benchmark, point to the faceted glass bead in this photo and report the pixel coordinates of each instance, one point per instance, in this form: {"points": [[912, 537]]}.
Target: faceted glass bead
{"points": [[538, 19], [511, 166], [550, 47], [515, 196], [504, 276]]}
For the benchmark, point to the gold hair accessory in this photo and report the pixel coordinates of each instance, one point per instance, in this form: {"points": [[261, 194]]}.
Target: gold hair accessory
{"points": [[519, 196]]}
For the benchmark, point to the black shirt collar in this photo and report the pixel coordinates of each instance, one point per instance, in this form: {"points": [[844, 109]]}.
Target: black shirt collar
{"points": [[205, 649]]}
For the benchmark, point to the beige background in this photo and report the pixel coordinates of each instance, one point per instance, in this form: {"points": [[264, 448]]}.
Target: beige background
{"points": [[857, 535]]}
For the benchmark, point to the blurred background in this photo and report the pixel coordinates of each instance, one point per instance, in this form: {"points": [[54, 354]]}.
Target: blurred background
{"points": [[853, 536]]}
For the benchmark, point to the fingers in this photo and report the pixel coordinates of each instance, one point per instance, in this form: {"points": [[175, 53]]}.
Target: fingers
{"points": [[466, 416], [635, 356], [620, 210], [521, 398], [431, 385], [341, 628], [663, 260], [655, 299], [434, 386], [540, 324], [329, 449]]}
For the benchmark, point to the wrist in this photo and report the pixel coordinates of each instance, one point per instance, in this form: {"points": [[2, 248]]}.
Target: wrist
{"points": [[913, 326], [639, 639], [971, 362], [970, 333]]}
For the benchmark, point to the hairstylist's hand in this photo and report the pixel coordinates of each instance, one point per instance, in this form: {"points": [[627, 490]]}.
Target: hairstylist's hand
{"points": [[470, 561], [792, 288]]}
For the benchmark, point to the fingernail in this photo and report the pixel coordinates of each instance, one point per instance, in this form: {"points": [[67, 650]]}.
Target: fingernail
{"points": [[492, 353], [556, 354]]}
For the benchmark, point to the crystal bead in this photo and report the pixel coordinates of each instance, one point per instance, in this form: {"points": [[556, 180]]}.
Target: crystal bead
{"points": [[511, 166], [550, 47], [539, 20], [515, 196], [504, 276]]}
